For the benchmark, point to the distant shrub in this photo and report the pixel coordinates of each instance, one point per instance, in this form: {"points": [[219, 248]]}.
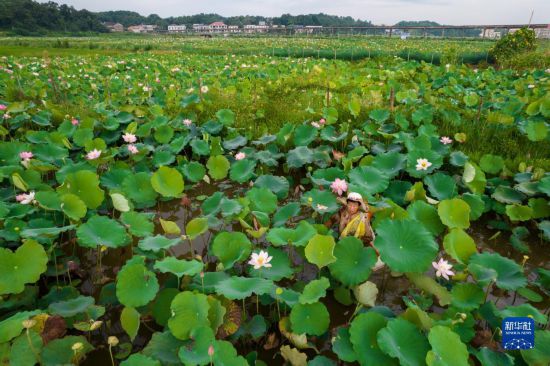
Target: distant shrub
{"points": [[513, 44]]}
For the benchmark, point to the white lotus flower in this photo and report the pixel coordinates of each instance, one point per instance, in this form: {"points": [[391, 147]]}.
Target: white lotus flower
{"points": [[446, 140], [259, 260], [240, 156], [94, 154], [129, 137], [443, 269], [422, 164], [25, 199]]}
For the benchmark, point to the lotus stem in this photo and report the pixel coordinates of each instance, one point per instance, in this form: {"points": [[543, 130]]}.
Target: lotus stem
{"points": [[111, 354], [257, 304], [487, 291], [36, 354], [244, 311]]}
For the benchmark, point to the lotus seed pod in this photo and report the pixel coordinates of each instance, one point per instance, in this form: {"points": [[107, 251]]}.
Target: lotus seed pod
{"points": [[112, 341], [29, 323], [96, 324], [77, 346]]}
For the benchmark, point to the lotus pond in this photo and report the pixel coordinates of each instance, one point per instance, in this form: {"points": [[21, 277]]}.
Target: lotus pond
{"points": [[138, 192]]}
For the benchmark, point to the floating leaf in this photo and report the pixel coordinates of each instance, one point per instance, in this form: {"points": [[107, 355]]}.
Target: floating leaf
{"points": [[354, 261], [509, 274], [459, 245], [85, 185], [167, 181], [231, 247], [447, 348], [320, 249], [454, 213], [196, 227], [189, 311], [405, 245], [237, 288], [136, 286], [363, 337], [314, 290], [402, 340], [179, 267], [157, 243], [311, 319], [102, 231], [218, 166], [23, 266]]}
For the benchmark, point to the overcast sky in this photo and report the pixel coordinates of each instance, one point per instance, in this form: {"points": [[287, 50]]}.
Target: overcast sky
{"points": [[378, 11]]}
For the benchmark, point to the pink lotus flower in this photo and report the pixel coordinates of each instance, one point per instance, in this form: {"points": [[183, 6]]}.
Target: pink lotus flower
{"points": [[187, 122], [339, 186], [322, 121], [129, 137], [133, 149], [240, 156], [211, 351], [74, 122], [25, 199], [3, 107], [94, 154], [26, 155], [446, 140], [443, 269]]}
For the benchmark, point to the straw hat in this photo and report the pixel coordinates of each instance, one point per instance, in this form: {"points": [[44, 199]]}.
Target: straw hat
{"points": [[355, 197]]}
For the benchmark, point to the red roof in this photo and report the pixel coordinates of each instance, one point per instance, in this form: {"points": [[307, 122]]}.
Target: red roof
{"points": [[217, 24]]}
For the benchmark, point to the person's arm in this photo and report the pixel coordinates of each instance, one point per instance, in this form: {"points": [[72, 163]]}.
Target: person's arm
{"points": [[334, 219]]}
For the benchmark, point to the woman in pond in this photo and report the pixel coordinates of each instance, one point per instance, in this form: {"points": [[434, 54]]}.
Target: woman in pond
{"points": [[354, 220]]}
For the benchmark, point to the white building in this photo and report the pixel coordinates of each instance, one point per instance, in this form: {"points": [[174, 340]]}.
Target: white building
{"points": [[252, 28], [490, 33], [218, 27], [142, 28], [200, 28], [233, 29], [175, 28]]}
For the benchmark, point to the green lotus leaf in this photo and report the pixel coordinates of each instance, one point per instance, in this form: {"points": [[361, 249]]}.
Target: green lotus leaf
{"points": [[519, 212], [476, 203], [72, 307], [218, 166], [508, 195], [12, 326], [193, 171], [200, 147], [508, 274], [138, 188], [524, 310], [491, 164], [447, 348], [458, 158], [197, 354], [167, 181], [329, 133], [299, 157], [405, 245], [341, 345], [320, 250], [369, 179], [138, 224], [137, 359], [19, 353], [311, 319], [441, 186], [363, 336], [163, 134], [23, 266], [321, 201], [544, 227], [85, 185], [157, 243], [226, 116], [467, 296], [189, 311], [314, 290], [49, 200], [136, 286], [304, 135], [474, 178], [454, 213], [179, 267], [130, 320], [536, 130], [366, 293], [280, 266], [242, 170], [540, 354], [73, 206], [262, 199], [163, 157], [402, 340], [540, 207], [544, 185], [432, 157], [196, 227], [277, 185], [235, 143], [60, 352], [353, 263], [164, 348], [231, 247], [488, 357], [285, 213], [459, 245], [226, 355], [101, 231], [324, 177], [238, 288], [426, 214], [299, 236], [390, 163], [161, 305], [429, 285]]}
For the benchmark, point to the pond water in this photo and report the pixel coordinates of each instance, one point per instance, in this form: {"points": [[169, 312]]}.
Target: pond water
{"points": [[392, 287]]}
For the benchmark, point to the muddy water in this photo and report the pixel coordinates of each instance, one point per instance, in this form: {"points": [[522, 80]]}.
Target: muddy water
{"points": [[392, 289]]}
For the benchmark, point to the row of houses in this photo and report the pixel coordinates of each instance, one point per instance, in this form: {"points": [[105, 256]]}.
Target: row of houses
{"points": [[216, 27], [492, 33]]}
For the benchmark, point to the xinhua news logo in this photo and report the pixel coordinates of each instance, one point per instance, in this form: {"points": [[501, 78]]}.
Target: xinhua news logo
{"points": [[518, 333]]}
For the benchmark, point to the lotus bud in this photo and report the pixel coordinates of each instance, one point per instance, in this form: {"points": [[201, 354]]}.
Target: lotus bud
{"points": [[463, 316], [72, 266], [112, 341], [77, 346], [211, 351], [29, 323], [202, 274], [198, 257], [95, 325], [525, 258]]}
